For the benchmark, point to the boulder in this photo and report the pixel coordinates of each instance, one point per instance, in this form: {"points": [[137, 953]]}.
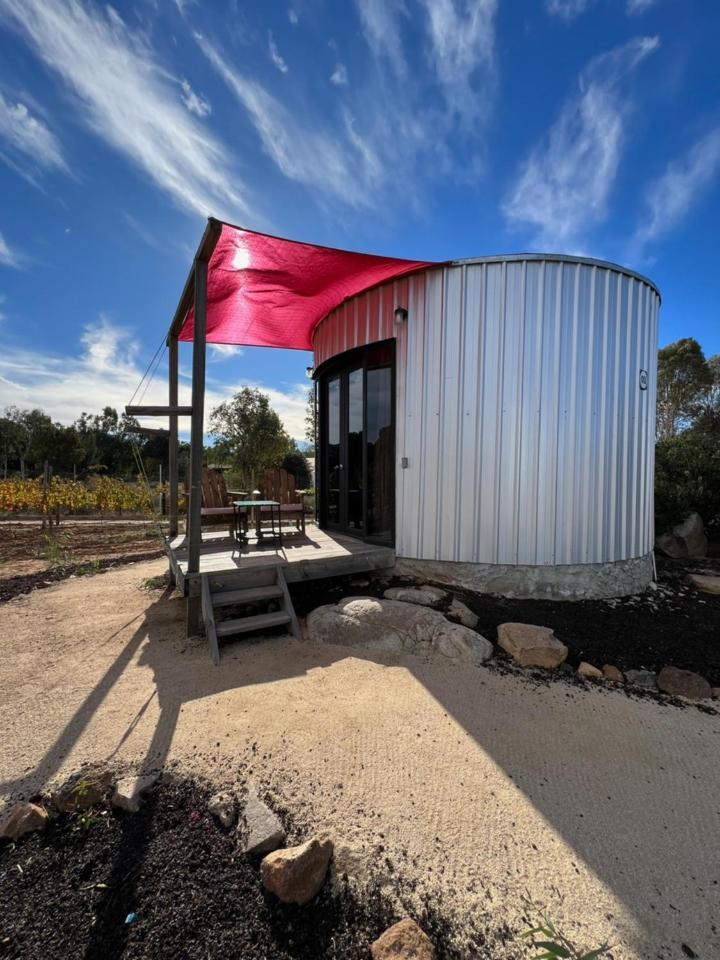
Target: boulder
{"points": [[22, 818], [612, 673], [424, 596], [588, 672], [259, 829], [687, 539], [129, 791], [708, 583], [403, 941], [295, 875], [715, 694], [83, 790], [222, 807], [683, 683], [392, 626], [642, 678], [461, 614], [531, 646]]}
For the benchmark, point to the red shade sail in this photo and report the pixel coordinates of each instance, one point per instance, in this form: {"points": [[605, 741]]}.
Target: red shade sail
{"points": [[268, 292]]}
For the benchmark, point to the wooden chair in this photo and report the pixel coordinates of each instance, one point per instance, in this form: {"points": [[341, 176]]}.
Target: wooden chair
{"points": [[216, 501], [279, 485]]}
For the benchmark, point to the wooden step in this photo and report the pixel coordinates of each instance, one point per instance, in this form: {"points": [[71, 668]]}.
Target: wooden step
{"points": [[224, 598], [262, 621]]}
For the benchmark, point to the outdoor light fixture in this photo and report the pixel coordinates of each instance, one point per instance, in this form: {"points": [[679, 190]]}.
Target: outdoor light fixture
{"points": [[309, 371], [401, 315]]}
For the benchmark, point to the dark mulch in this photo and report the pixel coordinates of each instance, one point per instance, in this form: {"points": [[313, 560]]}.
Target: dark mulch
{"points": [[675, 624], [14, 586], [67, 893]]}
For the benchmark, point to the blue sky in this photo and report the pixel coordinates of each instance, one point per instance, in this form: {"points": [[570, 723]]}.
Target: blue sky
{"points": [[427, 129]]}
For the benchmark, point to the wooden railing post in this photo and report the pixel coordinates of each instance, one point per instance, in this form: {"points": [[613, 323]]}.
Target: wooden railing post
{"points": [[173, 440], [194, 532]]}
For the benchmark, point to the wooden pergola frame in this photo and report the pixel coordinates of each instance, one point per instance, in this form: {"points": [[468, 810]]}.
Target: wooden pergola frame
{"points": [[194, 294]]}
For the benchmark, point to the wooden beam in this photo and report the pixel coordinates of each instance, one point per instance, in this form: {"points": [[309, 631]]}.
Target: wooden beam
{"points": [[173, 473], [194, 531], [159, 411], [204, 252]]}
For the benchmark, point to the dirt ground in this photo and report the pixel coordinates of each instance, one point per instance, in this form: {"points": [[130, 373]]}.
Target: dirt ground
{"points": [[475, 787]]}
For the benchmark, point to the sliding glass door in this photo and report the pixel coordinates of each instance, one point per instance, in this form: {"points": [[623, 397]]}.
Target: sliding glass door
{"points": [[357, 449]]}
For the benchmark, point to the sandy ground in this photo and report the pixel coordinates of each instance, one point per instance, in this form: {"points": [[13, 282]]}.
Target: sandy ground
{"points": [[480, 787]]}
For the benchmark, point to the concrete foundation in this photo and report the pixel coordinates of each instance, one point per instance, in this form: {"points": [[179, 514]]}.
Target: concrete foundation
{"points": [[586, 581]]}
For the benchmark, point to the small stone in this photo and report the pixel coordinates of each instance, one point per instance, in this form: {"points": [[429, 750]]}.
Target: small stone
{"points": [[462, 614], [82, 791], [532, 646], [222, 807], [683, 683], [359, 583], [22, 818], [423, 596], [259, 829], [588, 672], [706, 582], [715, 693], [642, 678], [612, 673], [128, 793], [403, 941], [295, 875]]}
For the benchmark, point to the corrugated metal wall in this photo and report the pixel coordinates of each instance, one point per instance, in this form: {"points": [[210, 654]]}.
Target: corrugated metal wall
{"points": [[528, 438]]}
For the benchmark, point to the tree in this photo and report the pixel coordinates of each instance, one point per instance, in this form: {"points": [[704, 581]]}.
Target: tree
{"points": [[310, 422], [249, 434], [296, 464], [684, 377]]}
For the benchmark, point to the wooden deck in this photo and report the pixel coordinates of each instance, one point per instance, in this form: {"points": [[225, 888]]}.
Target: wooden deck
{"points": [[312, 556]]}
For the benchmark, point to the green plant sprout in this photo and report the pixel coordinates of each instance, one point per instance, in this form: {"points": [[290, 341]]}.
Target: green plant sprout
{"points": [[556, 946]]}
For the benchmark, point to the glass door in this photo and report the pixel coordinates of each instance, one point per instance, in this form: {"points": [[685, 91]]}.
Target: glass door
{"points": [[357, 431]]}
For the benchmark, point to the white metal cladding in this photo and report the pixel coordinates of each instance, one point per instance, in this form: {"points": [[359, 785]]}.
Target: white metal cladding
{"points": [[519, 408]]}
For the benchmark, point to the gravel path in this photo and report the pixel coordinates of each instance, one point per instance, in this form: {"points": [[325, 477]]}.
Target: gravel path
{"points": [[475, 786]]}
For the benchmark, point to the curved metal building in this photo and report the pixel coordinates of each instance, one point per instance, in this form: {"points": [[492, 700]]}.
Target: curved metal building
{"points": [[495, 420]]}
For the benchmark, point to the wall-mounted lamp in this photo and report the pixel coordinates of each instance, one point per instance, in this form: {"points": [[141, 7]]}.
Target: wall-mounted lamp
{"points": [[401, 315], [309, 371]]}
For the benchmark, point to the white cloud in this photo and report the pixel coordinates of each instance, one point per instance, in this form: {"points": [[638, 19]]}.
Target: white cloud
{"points": [[195, 103], [223, 351], [339, 75], [8, 257], [28, 143], [380, 21], [568, 9], [293, 17], [564, 184], [129, 100], [303, 151], [275, 55], [105, 372], [462, 38], [672, 195], [634, 7]]}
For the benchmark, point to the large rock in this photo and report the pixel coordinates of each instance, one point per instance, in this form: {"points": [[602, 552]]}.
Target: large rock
{"points": [[612, 673], [259, 829], [683, 683], [22, 818], [687, 539], [532, 646], [424, 596], [642, 678], [295, 875], [83, 790], [128, 793], [461, 614], [707, 582], [403, 941], [392, 626]]}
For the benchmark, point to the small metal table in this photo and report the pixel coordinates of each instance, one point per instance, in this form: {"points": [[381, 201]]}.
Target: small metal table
{"points": [[257, 506]]}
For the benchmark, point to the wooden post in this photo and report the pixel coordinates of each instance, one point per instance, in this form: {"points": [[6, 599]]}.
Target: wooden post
{"points": [[194, 532], [173, 441]]}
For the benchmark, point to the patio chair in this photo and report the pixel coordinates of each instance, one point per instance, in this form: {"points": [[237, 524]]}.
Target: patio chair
{"points": [[279, 485], [217, 502]]}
